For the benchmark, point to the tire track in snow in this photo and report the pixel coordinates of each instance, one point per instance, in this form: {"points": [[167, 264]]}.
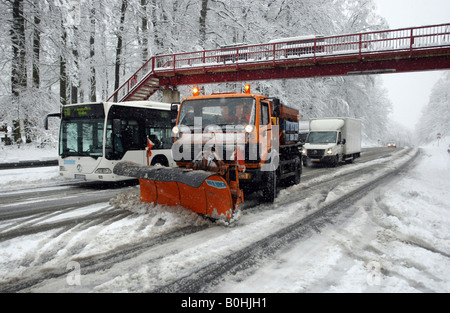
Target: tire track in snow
{"points": [[246, 258], [92, 219], [98, 263]]}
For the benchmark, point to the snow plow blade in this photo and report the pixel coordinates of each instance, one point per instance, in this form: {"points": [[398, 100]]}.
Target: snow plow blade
{"points": [[203, 192]]}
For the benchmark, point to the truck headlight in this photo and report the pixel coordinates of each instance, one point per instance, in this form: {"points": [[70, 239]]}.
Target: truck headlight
{"points": [[330, 151], [304, 151], [249, 129]]}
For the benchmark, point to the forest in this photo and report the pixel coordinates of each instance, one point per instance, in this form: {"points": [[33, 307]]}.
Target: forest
{"points": [[57, 52]]}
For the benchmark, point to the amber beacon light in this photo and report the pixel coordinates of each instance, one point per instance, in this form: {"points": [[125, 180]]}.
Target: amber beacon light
{"points": [[196, 91], [247, 88]]}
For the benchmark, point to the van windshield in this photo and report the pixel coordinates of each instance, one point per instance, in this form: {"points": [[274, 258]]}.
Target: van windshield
{"points": [[322, 137]]}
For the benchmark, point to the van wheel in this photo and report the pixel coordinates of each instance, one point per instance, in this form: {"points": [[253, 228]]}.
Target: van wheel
{"points": [[335, 161], [350, 160]]}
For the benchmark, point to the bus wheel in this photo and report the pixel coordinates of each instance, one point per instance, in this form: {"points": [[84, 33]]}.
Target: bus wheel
{"points": [[159, 161]]}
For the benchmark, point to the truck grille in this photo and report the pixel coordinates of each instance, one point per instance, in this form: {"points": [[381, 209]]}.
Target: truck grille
{"points": [[316, 153], [251, 152]]}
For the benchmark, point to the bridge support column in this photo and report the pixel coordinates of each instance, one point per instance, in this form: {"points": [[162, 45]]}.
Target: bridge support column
{"points": [[171, 96]]}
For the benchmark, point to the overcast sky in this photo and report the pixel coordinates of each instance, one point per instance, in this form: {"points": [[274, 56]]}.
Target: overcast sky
{"points": [[410, 92]]}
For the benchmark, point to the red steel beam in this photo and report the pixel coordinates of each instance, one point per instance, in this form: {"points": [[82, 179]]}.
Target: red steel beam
{"points": [[361, 67]]}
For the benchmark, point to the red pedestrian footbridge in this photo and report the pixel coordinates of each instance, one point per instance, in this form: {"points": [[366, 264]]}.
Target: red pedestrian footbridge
{"points": [[387, 51]]}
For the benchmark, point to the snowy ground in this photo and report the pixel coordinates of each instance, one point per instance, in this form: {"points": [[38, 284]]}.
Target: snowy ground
{"points": [[397, 240]]}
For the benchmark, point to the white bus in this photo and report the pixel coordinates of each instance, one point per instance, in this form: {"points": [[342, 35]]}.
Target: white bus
{"points": [[96, 136]]}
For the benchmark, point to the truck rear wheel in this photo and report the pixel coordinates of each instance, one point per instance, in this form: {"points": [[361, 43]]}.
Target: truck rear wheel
{"points": [[298, 171], [297, 167]]}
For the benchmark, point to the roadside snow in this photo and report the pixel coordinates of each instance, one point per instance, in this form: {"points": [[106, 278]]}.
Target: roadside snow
{"points": [[27, 152], [397, 240], [16, 178], [24, 177]]}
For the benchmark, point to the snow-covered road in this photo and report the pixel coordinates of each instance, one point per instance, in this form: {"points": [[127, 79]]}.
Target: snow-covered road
{"points": [[395, 239]]}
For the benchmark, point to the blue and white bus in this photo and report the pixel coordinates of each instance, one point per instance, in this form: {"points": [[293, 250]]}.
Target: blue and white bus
{"points": [[96, 136]]}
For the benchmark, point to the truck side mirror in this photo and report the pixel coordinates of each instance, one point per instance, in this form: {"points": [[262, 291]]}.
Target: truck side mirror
{"points": [[344, 141], [116, 126], [174, 113], [276, 107]]}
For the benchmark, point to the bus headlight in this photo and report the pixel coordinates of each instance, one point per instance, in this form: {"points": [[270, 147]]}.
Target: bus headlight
{"points": [[103, 171]]}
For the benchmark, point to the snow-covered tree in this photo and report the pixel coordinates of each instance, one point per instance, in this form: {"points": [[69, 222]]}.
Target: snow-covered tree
{"points": [[435, 117], [79, 51]]}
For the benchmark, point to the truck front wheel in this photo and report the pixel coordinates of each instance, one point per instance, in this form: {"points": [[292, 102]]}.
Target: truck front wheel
{"points": [[270, 187]]}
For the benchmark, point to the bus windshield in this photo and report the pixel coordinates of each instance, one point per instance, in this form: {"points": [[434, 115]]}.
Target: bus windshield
{"points": [[322, 137], [218, 111], [82, 130]]}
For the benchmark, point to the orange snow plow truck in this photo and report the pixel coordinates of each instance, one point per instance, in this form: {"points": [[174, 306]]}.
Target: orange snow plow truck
{"points": [[225, 145]]}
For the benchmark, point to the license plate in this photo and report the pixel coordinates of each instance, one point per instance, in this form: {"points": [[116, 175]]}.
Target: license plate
{"points": [[79, 176]]}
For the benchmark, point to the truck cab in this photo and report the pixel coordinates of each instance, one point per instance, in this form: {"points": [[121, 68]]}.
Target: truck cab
{"points": [[258, 134]]}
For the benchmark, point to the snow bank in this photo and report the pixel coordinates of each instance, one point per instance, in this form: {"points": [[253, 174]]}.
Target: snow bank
{"points": [[27, 152], [397, 240]]}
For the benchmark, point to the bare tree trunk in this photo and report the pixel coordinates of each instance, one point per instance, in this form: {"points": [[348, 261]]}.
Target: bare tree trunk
{"points": [[63, 67], [203, 14], [36, 45], [18, 72], [119, 47], [18, 68], [36, 78], [75, 81], [156, 39], [144, 31], [93, 81]]}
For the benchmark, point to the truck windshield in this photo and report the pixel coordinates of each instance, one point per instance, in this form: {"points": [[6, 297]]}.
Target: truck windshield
{"points": [[218, 111], [322, 137], [82, 130]]}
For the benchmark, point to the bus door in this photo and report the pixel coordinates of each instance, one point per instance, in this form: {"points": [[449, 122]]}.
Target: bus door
{"points": [[126, 142]]}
